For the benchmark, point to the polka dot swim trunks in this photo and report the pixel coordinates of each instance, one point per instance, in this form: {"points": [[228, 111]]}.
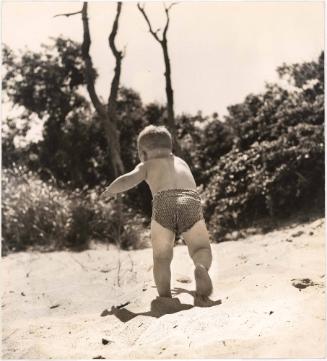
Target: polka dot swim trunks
{"points": [[177, 209]]}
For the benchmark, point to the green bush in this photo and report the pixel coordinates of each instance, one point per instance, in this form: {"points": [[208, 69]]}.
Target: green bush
{"points": [[38, 215]]}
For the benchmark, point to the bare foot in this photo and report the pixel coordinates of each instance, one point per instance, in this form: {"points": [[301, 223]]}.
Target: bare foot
{"points": [[166, 305], [203, 281], [204, 301]]}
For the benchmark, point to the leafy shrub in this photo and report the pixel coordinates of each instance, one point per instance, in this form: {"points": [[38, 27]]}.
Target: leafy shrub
{"points": [[39, 215], [269, 179], [276, 165]]}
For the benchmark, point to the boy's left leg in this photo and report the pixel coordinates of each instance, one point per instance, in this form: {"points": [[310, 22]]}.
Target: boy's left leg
{"points": [[197, 240], [162, 240]]}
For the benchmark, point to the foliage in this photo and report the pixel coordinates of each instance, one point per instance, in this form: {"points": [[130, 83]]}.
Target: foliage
{"points": [[216, 140], [45, 82], [300, 74], [45, 85], [73, 150], [36, 214], [278, 166], [269, 179]]}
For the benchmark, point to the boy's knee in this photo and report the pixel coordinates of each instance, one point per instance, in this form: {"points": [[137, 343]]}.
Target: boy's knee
{"points": [[163, 257], [202, 256], [203, 249]]}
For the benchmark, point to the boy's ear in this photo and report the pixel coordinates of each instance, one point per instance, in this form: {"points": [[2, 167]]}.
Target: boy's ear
{"points": [[145, 156]]}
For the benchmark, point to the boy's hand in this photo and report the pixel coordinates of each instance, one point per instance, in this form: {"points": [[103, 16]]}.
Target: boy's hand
{"points": [[107, 195]]}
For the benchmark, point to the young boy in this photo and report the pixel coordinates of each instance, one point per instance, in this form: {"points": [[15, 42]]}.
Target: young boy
{"points": [[176, 208]]}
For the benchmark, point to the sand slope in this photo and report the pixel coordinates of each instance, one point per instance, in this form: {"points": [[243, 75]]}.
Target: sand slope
{"points": [[269, 290]]}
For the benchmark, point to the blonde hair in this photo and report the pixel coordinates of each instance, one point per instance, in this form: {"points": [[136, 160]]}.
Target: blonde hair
{"points": [[154, 137]]}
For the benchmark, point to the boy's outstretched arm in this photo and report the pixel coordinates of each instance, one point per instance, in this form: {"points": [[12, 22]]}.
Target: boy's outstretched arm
{"points": [[126, 181]]}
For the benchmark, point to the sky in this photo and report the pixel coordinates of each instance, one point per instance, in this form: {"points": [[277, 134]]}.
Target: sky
{"points": [[219, 51]]}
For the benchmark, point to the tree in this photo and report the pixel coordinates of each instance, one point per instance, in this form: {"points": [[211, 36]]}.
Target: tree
{"points": [[169, 90], [107, 114], [45, 86]]}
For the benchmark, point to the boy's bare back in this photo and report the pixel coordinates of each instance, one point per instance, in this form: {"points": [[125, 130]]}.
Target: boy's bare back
{"points": [[168, 173]]}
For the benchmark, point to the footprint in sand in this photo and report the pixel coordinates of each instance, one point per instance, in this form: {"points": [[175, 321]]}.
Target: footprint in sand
{"points": [[297, 234], [304, 283]]}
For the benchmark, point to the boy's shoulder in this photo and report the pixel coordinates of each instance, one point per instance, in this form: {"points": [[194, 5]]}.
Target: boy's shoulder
{"points": [[154, 161], [172, 157], [140, 167], [181, 160], [158, 159]]}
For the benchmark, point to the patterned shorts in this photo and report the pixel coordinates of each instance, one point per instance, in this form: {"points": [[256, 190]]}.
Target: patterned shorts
{"points": [[177, 209]]}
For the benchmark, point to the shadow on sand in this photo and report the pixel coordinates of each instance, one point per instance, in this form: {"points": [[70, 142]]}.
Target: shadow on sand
{"points": [[161, 306]]}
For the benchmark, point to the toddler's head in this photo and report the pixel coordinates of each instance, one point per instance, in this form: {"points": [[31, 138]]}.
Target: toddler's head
{"points": [[154, 141]]}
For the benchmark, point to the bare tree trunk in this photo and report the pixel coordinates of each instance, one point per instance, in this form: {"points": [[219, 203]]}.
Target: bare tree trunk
{"points": [[169, 89], [112, 100], [108, 116], [170, 100]]}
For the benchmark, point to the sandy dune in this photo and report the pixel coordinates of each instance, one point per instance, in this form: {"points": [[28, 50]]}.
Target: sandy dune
{"points": [[269, 293]]}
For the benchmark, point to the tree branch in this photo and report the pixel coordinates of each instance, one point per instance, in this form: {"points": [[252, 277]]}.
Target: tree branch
{"points": [[113, 33], [169, 90], [164, 34], [69, 14], [89, 71], [118, 55], [153, 33], [170, 6]]}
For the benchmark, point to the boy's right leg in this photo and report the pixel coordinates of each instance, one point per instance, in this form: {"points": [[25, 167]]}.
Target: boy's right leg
{"points": [[162, 240], [197, 240]]}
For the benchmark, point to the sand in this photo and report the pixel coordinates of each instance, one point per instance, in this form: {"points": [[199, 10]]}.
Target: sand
{"points": [[269, 293]]}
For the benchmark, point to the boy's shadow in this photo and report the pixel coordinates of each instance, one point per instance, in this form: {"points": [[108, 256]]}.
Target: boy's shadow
{"points": [[159, 306]]}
